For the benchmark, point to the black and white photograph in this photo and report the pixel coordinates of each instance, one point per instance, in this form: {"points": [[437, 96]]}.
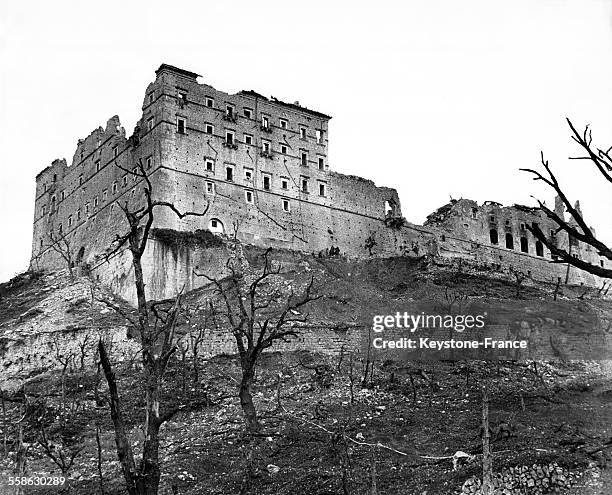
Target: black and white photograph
{"points": [[306, 248]]}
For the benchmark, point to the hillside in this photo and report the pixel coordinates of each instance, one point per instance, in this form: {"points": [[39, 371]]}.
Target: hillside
{"points": [[325, 431]]}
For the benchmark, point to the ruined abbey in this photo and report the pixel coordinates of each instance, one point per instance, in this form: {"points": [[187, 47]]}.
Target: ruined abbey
{"points": [[259, 167]]}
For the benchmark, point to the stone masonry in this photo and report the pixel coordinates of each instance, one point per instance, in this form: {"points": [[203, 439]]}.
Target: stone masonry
{"points": [[259, 167]]}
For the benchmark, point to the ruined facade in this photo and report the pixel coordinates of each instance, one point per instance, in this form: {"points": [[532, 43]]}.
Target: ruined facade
{"points": [[498, 236], [259, 167]]}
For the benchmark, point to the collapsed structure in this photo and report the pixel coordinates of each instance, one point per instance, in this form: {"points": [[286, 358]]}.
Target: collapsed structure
{"points": [[259, 168]]}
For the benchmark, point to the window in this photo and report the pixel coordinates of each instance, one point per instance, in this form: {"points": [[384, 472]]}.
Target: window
{"points": [[209, 129], [305, 185], [321, 163], [302, 132], [104, 195], [248, 196], [44, 209], [41, 243], [96, 202], [151, 97], [266, 182], [283, 123], [54, 177], [492, 218], [97, 165], [539, 249], [210, 187], [210, 165], [180, 125], [182, 97], [61, 228], [45, 187], [150, 123], [493, 236], [229, 174], [86, 208], [321, 189], [248, 113], [229, 111], [248, 174], [265, 122], [134, 174], [319, 134], [124, 180], [524, 245], [210, 102], [69, 220], [601, 263], [216, 226], [78, 214], [132, 193], [286, 205], [304, 159], [63, 195], [284, 184], [115, 151], [114, 189], [149, 162], [283, 148], [229, 137], [509, 241], [248, 139], [265, 146], [522, 226]]}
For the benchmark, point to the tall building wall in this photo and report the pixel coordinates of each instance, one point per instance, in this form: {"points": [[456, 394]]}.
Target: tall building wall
{"points": [[259, 168]]}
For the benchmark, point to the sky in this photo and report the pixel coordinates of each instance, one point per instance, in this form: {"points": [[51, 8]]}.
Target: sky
{"points": [[437, 98]]}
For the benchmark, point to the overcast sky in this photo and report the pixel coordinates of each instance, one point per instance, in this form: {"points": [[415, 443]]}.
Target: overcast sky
{"points": [[435, 98]]}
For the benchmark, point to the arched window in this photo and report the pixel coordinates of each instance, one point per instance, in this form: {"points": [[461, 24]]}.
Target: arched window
{"points": [[216, 226], [493, 236], [524, 245], [509, 241], [539, 249]]}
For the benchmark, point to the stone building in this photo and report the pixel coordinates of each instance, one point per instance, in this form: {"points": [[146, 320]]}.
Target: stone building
{"points": [[258, 164], [498, 235], [259, 168]]}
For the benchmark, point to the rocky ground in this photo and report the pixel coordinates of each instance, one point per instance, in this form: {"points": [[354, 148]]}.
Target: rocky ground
{"points": [[410, 428]]}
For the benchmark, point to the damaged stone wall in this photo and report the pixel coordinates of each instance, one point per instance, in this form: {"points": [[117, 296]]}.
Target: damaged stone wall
{"points": [[281, 192], [467, 230]]}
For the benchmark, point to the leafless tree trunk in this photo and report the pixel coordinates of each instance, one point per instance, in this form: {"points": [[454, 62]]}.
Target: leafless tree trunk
{"points": [[63, 246], [487, 468], [156, 329], [258, 316]]}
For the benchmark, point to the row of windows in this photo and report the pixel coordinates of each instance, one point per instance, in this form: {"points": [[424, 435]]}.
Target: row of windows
{"points": [[114, 190], [71, 219], [266, 178], [114, 187], [267, 182], [494, 238], [232, 116], [96, 162], [266, 146]]}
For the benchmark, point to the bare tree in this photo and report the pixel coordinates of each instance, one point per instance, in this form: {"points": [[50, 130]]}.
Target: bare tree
{"points": [[576, 228], [156, 331], [258, 314], [63, 246]]}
